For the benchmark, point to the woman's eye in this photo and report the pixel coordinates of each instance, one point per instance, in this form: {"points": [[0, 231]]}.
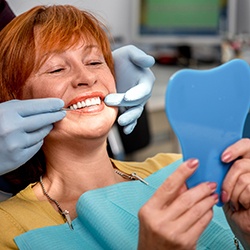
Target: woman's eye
{"points": [[96, 63], [56, 70]]}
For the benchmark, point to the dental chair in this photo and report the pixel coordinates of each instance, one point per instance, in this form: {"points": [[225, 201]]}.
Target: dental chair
{"points": [[120, 145], [5, 189]]}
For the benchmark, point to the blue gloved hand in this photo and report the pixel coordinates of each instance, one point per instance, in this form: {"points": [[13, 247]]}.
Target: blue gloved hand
{"points": [[23, 125], [134, 82]]}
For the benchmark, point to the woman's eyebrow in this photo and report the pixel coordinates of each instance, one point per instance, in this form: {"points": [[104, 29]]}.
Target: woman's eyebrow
{"points": [[91, 46]]}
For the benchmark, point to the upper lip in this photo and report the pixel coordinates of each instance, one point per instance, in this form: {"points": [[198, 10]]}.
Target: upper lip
{"points": [[85, 97]]}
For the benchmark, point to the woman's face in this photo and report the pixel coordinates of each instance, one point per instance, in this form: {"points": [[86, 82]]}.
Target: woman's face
{"points": [[82, 79]]}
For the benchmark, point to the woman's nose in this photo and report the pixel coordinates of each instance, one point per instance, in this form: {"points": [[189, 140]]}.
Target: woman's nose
{"points": [[83, 77]]}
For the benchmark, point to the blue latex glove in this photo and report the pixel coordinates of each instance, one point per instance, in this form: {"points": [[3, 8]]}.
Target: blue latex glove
{"points": [[23, 125], [134, 82]]}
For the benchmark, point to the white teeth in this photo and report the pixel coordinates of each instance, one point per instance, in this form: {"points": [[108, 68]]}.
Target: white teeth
{"points": [[98, 100], [88, 102], [79, 105]]}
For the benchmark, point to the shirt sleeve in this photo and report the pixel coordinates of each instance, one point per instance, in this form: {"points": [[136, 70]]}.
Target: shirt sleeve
{"points": [[149, 166], [8, 231]]}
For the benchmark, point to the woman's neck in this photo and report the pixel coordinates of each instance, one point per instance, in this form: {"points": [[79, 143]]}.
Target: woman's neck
{"points": [[71, 171], [87, 165]]}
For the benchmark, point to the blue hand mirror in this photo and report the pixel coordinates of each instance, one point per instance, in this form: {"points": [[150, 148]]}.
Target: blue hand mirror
{"points": [[207, 110]]}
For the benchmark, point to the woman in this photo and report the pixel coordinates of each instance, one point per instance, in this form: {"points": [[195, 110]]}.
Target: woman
{"points": [[73, 62], [14, 131]]}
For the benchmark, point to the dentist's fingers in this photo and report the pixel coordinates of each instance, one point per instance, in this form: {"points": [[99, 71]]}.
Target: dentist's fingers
{"points": [[140, 58], [37, 122], [142, 90], [130, 115], [118, 99], [37, 106]]}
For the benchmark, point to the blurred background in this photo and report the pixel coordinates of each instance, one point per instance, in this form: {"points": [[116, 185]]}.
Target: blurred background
{"points": [[198, 34]]}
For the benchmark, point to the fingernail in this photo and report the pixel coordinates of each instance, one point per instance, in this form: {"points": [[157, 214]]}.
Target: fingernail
{"points": [[212, 186], [226, 157], [224, 197], [216, 198], [192, 163]]}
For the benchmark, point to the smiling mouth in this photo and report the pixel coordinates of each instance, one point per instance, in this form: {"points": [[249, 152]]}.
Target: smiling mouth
{"points": [[86, 103]]}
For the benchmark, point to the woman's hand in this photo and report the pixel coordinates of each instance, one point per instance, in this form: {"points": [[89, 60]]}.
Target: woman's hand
{"points": [[236, 190], [174, 217]]}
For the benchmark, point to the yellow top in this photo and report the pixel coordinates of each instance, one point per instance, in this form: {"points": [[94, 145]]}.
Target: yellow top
{"points": [[25, 212]]}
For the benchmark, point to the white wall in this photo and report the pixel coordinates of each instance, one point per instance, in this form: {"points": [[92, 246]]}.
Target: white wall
{"points": [[115, 13], [238, 17]]}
